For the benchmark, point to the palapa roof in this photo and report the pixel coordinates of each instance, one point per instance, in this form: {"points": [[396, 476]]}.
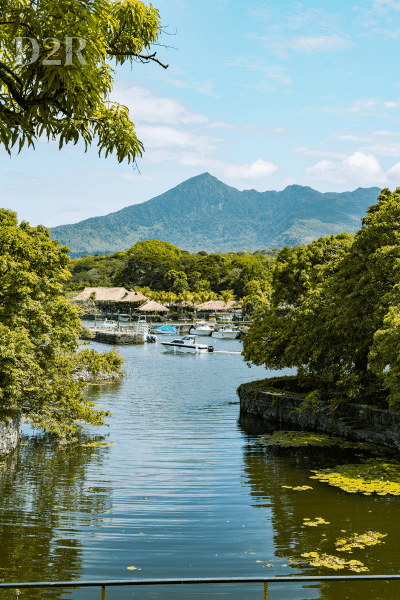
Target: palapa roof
{"points": [[102, 293], [134, 297], [152, 306], [216, 305]]}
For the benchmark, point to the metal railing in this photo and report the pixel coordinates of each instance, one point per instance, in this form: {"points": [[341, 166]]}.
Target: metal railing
{"points": [[193, 581]]}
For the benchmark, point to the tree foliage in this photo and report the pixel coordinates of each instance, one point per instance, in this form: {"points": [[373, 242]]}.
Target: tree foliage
{"points": [[38, 332], [55, 76], [334, 310]]}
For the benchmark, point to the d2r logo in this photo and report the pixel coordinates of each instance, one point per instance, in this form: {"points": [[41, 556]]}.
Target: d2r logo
{"points": [[69, 51]]}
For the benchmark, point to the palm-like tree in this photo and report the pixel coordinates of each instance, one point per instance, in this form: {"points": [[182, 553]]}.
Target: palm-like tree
{"points": [[227, 296], [185, 297]]}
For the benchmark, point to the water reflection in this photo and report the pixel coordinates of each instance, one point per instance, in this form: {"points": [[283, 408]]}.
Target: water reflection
{"points": [[269, 469], [45, 500]]}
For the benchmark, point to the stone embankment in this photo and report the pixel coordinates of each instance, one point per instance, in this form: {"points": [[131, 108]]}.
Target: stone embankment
{"points": [[10, 431], [88, 376], [360, 423]]}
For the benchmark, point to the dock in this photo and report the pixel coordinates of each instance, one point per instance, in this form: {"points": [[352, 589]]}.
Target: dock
{"points": [[129, 334]]}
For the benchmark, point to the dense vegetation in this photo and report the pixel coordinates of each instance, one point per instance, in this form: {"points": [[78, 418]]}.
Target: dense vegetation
{"points": [[203, 213], [166, 273], [39, 332], [67, 97], [334, 312]]}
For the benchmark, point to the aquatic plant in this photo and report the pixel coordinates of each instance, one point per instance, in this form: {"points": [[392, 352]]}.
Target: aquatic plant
{"points": [[303, 438], [299, 488], [374, 475], [370, 538], [314, 559], [318, 521], [98, 444]]}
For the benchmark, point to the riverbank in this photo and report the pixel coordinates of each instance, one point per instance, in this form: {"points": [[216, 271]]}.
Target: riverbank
{"points": [[360, 423], [10, 431]]}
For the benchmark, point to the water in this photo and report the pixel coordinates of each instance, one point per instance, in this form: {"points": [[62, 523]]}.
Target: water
{"points": [[186, 491]]}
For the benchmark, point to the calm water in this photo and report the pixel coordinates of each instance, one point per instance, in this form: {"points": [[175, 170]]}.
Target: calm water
{"points": [[186, 491]]}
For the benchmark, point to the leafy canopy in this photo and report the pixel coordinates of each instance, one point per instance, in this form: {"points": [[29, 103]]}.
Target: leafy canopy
{"points": [[335, 310], [64, 93], [38, 332]]}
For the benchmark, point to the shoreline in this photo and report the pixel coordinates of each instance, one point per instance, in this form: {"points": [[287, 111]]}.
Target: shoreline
{"points": [[361, 423]]}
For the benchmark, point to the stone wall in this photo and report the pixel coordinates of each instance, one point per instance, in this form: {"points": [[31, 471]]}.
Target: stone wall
{"points": [[10, 431], [361, 423]]}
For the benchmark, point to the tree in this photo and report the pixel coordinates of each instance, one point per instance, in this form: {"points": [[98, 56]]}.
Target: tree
{"points": [[335, 311], [55, 76], [148, 263], [176, 281], [38, 331]]}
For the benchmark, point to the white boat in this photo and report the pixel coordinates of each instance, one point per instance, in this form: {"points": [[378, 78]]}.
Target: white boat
{"points": [[202, 328], [187, 344], [226, 332], [164, 330]]}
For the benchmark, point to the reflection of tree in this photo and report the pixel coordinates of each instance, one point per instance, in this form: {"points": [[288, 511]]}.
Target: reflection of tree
{"points": [[269, 469], [42, 489]]}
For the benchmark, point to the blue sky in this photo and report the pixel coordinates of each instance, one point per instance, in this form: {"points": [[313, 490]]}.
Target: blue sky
{"points": [[260, 95]]}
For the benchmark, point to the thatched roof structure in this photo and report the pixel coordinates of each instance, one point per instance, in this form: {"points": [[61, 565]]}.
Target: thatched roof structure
{"points": [[152, 306], [216, 305], [102, 294], [134, 297]]}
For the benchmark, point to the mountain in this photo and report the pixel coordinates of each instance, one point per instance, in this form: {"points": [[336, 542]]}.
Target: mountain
{"points": [[203, 213]]}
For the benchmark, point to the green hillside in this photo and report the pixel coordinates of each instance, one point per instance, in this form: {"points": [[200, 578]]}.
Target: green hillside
{"points": [[203, 213]]}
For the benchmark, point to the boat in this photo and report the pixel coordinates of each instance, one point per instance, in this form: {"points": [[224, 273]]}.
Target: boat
{"points": [[150, 338], [226, 332], [187, 344], [202, 328], [164, 329]]}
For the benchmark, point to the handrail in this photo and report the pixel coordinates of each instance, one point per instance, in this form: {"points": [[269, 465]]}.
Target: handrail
{"points": [[196, 580], [191, 581]]}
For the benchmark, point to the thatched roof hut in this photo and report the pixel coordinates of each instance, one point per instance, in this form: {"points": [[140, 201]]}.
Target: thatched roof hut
{"points": [[134, 297], [152, 306], [214, 305], [102, 294]]}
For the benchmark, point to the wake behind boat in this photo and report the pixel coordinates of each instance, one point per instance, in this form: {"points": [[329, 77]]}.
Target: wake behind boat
{"points": [[187, 344]]}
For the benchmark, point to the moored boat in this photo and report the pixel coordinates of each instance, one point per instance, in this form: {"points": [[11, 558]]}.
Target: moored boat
{"points": [[226, 332], [164, 329], [187, 344], [202, 328]]}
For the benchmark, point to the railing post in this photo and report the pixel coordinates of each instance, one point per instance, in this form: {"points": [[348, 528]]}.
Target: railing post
{"points": [[103, 592], [265, 590]]}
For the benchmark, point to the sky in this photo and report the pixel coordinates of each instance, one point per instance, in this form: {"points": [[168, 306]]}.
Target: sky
{"points": [[261, 96]]}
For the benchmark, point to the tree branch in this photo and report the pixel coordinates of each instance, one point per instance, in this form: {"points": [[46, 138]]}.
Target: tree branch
{"points": [[146, 58]]}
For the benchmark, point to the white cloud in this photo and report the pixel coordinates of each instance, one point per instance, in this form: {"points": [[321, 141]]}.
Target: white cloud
{"points": [[145, 106], [307, 44], [359, 167], [203, 88], [269, 72], [257, 170], [391, 104], [171, 131], [309, 152], [385, 132], [322, 43], [394, 173], [352, 138]]}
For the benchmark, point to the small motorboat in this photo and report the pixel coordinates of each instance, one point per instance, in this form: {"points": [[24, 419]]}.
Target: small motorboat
{"points": [[187, 344], [226, 332], [202, 328], [164, 329], [151, 338]]}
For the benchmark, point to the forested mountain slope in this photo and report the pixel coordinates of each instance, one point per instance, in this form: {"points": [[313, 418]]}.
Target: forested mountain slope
{"points": [[203, 213]]}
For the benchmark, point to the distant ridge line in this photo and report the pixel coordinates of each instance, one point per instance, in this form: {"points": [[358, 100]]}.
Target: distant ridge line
{"points": [[203, 213]]}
